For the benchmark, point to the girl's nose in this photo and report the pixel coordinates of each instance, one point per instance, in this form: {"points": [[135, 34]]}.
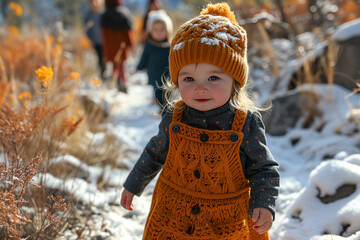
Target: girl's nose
{"points": [[200, 88]]}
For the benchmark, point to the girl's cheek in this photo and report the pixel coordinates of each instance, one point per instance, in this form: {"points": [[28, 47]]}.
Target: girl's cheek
{"points": [[185, 94]]}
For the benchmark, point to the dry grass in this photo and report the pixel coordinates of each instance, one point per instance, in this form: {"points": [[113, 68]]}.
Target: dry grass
{"points": [[17, 136], [35, 121], [42, 117]]}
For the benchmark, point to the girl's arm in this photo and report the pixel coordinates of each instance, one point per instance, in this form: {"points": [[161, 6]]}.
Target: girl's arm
{"points": [[151, 160], [261, 167]]}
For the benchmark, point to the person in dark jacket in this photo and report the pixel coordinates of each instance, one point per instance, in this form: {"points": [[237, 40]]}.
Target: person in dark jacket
{"points": [[155, 56], [93, 30], [118, 39]]}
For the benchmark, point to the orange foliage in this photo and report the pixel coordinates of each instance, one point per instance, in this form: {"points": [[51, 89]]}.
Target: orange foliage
{"points": [[16, 8], [26, 53], [21, 126], [68, 126], [296, 11], [24, 96], [11, 216], [23, 55], [74, 76], [14, 31], [348, 11], [95, 81], [5, 88]]}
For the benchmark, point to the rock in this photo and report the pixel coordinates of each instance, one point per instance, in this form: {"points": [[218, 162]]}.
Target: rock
{"points": [[287, 109], [341, 192], [66, 170], [347, 68], [95, 112]]}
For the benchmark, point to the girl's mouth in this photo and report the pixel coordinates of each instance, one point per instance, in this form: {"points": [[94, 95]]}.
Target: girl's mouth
{"points": [[202, 100]]}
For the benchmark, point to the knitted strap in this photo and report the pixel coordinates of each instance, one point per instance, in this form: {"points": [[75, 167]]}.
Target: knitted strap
{"points": [[178, 111], [239, 120]]}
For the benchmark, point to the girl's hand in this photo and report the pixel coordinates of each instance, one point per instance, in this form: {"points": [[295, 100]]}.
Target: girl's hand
{"points": [[263, 219], [126, 200]]}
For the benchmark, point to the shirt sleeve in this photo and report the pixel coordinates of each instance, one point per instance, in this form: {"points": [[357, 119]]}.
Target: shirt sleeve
{"points": [[262, 170], [143, 63], [151, 160]]}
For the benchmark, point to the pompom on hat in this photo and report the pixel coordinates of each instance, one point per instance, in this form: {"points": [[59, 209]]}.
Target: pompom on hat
{"points": [[213, 37]]}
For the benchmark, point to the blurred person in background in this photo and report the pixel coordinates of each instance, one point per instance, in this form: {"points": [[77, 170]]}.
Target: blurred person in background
{"points": [[155, 56], [152, 6], [118, 39], [93, 30]]}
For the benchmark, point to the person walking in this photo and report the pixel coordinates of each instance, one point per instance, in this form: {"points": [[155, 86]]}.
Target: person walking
{"points": [[152, 5], [93, 31], [118, 39], [155, 55]]}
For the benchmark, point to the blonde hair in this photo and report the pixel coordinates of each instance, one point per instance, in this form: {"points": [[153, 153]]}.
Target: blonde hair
{"points": [[239, 99]]}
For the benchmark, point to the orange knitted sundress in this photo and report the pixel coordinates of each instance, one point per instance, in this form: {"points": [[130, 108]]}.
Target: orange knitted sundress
{"points": [[202, 192]]}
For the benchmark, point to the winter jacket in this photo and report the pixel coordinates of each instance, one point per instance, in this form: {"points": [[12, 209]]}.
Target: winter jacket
{"points": [[155, 59], [116, 27]]}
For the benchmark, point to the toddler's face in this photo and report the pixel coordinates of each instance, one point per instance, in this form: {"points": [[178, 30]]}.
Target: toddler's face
{"points": [[95, 6], [158, 31], [204, 86]]}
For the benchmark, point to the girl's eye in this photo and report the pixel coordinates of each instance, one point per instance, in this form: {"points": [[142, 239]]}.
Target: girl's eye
{"points": [[188, 79], [213, 78]]}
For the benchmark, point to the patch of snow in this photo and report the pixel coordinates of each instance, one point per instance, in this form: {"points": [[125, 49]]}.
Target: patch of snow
{"points": [[347, 30]]}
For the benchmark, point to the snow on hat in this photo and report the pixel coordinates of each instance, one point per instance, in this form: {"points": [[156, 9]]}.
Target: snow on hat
{"points": [[159, 15], [213, 37]]}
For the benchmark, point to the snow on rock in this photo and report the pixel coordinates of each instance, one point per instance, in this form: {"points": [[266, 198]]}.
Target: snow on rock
{"points": [[308, 217], [331, 131], [347, 30], [354, 159]]}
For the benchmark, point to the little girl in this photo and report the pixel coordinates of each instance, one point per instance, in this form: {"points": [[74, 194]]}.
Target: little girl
{"points": [[155, 56], [219, 180]]}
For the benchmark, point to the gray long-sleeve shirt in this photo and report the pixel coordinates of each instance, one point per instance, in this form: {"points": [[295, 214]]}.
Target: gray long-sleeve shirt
{"points": [[258, 164]]}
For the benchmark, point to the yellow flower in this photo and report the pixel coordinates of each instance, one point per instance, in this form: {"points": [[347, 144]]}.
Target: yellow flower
{"points": [[16, 8], [24, 96], [99, 89], [67, 97], [95, 81], [45, 75], [74, 76], [14, 30], [73, 120]]}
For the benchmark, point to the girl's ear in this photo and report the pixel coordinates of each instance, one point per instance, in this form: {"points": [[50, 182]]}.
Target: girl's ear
{"points": [[234, 84]]}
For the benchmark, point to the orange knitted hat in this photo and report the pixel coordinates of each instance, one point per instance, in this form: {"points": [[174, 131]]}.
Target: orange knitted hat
{"points": [[213, 37]]}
